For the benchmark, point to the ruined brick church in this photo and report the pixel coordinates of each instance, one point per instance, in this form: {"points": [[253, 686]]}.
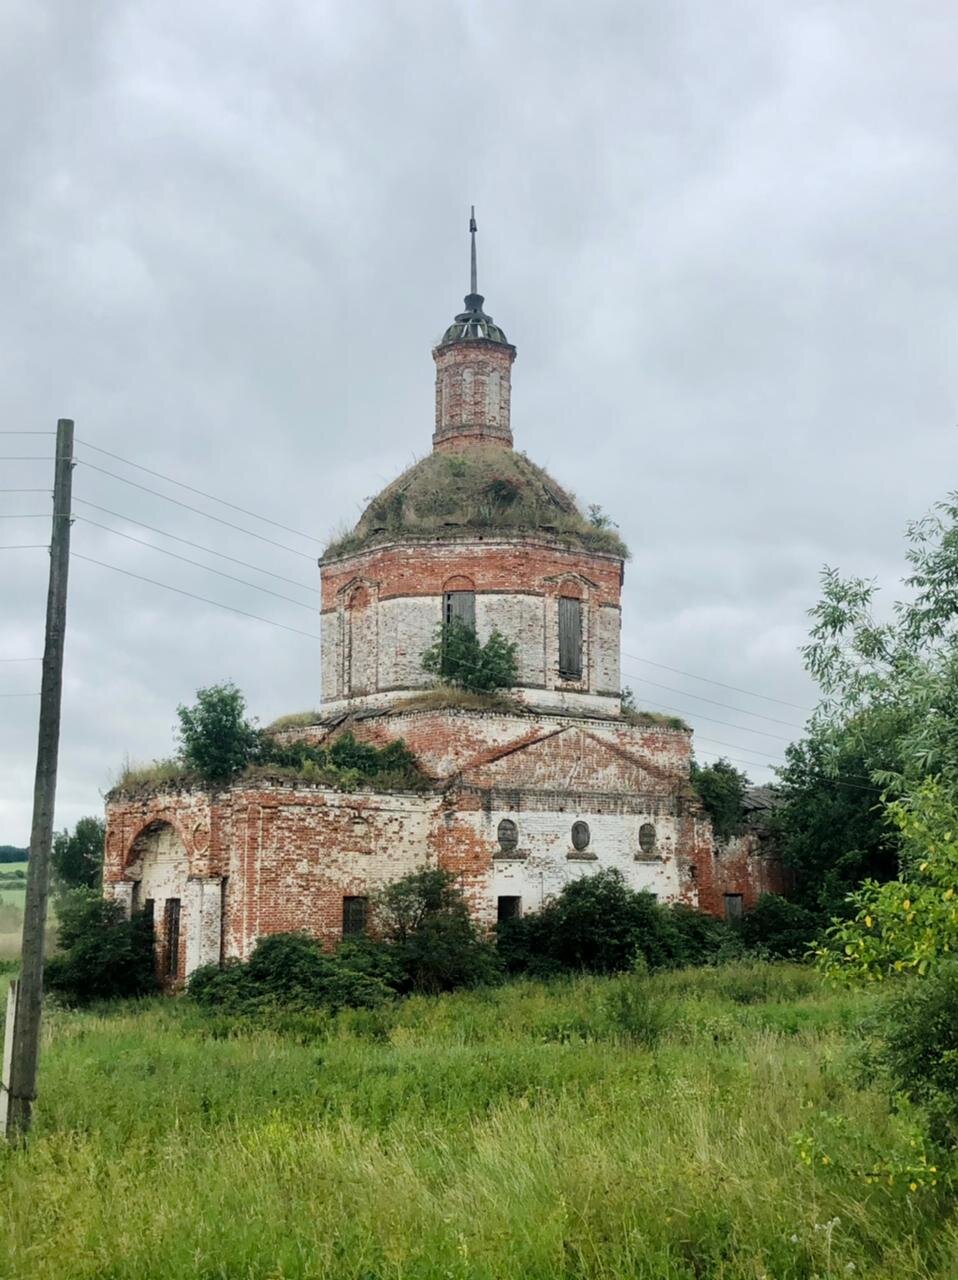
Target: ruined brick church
{"points": [[525, 792]]}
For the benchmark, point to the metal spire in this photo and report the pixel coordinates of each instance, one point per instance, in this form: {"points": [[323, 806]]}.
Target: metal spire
{"points": [[473, 287]]}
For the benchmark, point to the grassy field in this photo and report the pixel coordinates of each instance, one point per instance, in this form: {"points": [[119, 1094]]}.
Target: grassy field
{"points": [[698, 1124]]}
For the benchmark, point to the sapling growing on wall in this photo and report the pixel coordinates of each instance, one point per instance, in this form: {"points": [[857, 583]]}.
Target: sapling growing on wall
{"points": [[458, 658]]}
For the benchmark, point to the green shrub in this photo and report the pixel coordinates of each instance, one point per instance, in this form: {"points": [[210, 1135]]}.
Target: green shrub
{"points": [[599, 924], [779, 928], [286, 971], [918, 1035], [697, 938], [424, 921], [457, 657], [721, 789], [103, 955], [216, 739]]}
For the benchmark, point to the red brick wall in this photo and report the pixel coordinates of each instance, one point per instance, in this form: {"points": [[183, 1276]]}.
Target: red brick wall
{"points": [[500, 564]]}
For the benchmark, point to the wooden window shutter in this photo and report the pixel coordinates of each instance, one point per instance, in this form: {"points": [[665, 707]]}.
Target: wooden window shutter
{"points": [[570, 638], [461, 605]]}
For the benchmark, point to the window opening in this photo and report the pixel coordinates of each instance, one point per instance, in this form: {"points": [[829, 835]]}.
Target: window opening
{"points": [[172, 937], [355, 911], [570, 638], [462, 606], [508, 908]]}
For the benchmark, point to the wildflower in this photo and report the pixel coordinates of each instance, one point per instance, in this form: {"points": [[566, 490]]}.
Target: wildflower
{"points": [[913, 1186], [849, 1267], [793, 1238], [825, 1160]]}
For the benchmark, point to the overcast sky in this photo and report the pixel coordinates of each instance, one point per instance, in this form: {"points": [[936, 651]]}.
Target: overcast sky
{"points": [[721, 236]]}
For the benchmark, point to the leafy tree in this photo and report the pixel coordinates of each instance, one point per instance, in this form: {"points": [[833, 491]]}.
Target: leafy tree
{"points": [[888, 719], [102, 955], [457, 657], [216, 739], [721, 789], [78, 858], [909, 924], [779, 928], [832, 826], [425, 922]]}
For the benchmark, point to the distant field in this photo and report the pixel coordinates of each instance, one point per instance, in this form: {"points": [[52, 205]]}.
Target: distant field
{"points": [[11, 895]]}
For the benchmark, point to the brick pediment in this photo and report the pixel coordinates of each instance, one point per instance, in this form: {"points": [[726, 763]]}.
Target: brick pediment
{"points": [[570, 758]]}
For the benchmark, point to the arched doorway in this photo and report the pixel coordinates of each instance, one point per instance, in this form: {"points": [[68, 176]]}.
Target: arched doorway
{"points": [[186, 910]]}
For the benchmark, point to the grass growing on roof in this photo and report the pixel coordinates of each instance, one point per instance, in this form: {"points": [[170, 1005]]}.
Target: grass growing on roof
{"points": [[485, 488], [543, 1131]]}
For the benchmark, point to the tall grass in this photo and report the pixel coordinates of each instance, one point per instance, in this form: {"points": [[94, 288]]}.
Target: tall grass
{"points": [[588, 1128]]}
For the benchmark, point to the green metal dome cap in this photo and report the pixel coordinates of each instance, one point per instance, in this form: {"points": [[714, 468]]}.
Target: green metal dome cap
{"points": [[473, 324]]}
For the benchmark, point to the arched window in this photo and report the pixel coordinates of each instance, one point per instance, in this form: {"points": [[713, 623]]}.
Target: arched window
{"points": [[459, 601], [570, 638]]}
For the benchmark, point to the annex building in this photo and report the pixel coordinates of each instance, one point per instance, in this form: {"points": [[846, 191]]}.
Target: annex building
{"points": [[525, 792]]}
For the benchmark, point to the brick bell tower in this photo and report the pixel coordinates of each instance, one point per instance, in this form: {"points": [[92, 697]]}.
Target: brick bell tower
{"points": [[473, 374]]}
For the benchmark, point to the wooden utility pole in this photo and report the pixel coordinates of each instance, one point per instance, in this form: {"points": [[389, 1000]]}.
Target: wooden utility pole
{"points": [[22, 1050]]}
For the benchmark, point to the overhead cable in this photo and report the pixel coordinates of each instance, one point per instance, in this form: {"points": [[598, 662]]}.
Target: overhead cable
{"points": [[707, 680], [193, 596], [196, 510], [270, 573], [196, 563], [201, 493]]}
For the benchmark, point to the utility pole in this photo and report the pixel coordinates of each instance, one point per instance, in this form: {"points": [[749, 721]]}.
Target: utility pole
{"points": [[22, 1047]]}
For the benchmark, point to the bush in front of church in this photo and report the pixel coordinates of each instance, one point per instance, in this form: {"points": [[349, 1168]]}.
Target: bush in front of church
{"points": [[424, 924], [286, 971], [598, 924], [102, 955]]}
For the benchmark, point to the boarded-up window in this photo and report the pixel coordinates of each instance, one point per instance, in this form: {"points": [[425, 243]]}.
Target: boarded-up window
{"points": [[508, 908], [461, 605], [570, 638], [355, 911], [172, 936], [148, 911], [733, 906]]}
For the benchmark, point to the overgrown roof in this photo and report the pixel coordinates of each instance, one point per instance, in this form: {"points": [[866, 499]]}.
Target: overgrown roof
{"points": [[486, 488]]}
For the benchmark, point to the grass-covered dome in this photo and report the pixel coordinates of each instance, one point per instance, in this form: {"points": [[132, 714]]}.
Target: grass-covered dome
{"points": [[486, 488]]}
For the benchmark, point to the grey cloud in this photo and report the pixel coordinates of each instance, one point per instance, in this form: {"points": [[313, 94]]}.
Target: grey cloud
{"points": [[720, 237]]}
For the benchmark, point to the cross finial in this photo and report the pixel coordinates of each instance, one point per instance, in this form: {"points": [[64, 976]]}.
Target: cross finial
{"points": [[473, 288]]}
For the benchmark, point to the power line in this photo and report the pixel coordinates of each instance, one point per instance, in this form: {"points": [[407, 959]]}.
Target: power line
{"points": [[744, 728], [26, 546], [26, 490], [27, 433], [196, 563], [20, 695], [28, 457], [201, 493], [192, 596], [33, 515], [195, 545], [700, 698], [21, 659], [197, 511], [731, 687]]}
